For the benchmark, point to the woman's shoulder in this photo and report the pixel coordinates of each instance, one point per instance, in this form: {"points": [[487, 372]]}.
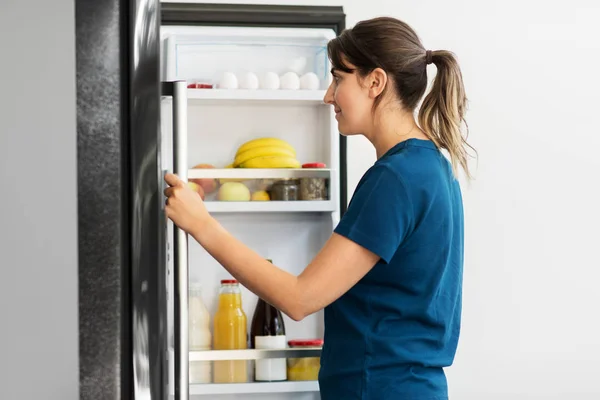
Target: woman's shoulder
{"points": [[417, 164]]}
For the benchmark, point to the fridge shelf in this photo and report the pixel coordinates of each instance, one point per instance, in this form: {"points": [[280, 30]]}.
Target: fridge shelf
{"points": [[204, 389], [259, 173], [270, 206], [293, 97], [254, 387], [254, 354], [259, 179]]}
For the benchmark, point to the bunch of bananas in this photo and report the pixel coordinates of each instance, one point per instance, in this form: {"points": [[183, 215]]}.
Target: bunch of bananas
{"points": [[265, 153]]}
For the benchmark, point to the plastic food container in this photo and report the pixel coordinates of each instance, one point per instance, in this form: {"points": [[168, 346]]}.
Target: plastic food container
{"points": [[313, 188], [305, 368]]}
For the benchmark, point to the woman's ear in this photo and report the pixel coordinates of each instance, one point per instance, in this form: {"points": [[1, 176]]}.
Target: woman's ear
{"points": [[376, 82]]}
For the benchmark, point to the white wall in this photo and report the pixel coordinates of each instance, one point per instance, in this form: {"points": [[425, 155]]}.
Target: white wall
{"points": [[531, 321], [38, 201]]}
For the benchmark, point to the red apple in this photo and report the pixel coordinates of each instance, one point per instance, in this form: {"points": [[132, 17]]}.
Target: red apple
{"points": [[208, 184]]}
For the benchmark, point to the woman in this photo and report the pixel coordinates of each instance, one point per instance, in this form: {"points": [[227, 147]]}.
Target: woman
{"points": [[390, 275]]}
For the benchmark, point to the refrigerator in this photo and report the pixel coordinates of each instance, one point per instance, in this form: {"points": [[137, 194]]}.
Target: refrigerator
{"points": [[180, 87]]}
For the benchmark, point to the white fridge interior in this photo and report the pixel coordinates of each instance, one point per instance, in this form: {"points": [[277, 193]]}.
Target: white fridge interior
{"points": [[219, 121]]}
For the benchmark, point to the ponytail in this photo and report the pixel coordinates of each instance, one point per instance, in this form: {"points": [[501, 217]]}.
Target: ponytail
{"points": [[394, 46], [443, 110]]}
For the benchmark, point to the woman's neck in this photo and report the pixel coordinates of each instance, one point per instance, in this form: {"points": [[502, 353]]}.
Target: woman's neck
{"points": [[392, 128]]}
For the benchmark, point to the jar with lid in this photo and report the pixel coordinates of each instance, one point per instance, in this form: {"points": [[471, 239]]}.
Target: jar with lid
{"points": [[284, 190], [313, 188], [304, 368]]}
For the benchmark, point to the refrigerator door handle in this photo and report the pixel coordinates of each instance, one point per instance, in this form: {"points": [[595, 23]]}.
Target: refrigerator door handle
{"points": [[178, 90]]}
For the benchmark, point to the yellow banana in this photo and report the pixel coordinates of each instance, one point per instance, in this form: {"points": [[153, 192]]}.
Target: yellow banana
{"points": [[260, 142], [271, 162], [261, 152]]}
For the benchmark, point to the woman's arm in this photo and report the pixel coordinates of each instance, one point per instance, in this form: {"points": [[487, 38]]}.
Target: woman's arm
{"points": [[336, 268]]}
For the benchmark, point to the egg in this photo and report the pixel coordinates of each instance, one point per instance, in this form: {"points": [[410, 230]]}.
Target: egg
{"points": [[290, 81], [309, 81], [228, 81], [270, 81], [249, 80]]}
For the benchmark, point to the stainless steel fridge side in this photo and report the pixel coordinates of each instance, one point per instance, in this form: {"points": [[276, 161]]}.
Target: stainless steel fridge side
{"points": [[149, 329], [180, 242]]}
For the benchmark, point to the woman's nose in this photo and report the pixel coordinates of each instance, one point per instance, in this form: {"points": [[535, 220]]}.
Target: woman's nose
{"points": [[328, 99]]}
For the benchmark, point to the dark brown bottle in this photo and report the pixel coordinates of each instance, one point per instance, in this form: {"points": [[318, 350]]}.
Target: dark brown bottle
{"points": [[266, 321], [268, 332]]}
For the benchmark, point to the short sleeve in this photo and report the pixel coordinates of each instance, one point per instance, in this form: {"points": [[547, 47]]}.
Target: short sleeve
{"points": [[380, 214]]}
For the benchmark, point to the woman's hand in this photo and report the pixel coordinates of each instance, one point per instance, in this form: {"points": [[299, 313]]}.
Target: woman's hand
{"points": [[184, 206]]}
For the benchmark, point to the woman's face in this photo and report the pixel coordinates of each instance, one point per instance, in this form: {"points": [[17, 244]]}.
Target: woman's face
{"points": [[352, 98]]}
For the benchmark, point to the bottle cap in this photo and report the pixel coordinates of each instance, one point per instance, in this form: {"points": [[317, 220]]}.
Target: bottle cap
{"points": [[314, 165], [306, 343], [228, 281]]}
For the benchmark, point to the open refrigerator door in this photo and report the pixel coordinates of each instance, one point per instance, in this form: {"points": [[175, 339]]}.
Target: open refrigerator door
{"points": [[263, 151]]}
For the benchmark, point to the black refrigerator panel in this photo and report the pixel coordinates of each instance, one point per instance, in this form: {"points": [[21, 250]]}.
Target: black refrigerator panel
{"points": [[103, 200], [122, 299]]}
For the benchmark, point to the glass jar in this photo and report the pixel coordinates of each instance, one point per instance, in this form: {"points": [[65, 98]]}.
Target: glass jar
{"points": [[313, 188], [230, 333], [304, 368], [285, 190]]}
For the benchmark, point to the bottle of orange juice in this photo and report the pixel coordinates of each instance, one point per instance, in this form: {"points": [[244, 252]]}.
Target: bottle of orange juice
{"points": [[230, 329]]}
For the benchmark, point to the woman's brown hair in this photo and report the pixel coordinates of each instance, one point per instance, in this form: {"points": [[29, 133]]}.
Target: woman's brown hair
{"points": [[393, 46]]}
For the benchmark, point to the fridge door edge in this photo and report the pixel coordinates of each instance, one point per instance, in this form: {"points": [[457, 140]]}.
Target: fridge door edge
{"points": [[148, 222]]}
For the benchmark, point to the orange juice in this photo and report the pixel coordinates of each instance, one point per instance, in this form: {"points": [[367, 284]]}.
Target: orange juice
{"points": [[230, 330]]}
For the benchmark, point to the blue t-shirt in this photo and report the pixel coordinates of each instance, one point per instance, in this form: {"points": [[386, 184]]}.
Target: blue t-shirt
{"points": [[390, 335]]}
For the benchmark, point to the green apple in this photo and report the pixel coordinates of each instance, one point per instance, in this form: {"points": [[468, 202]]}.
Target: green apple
{"points": [[233, 191]]}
